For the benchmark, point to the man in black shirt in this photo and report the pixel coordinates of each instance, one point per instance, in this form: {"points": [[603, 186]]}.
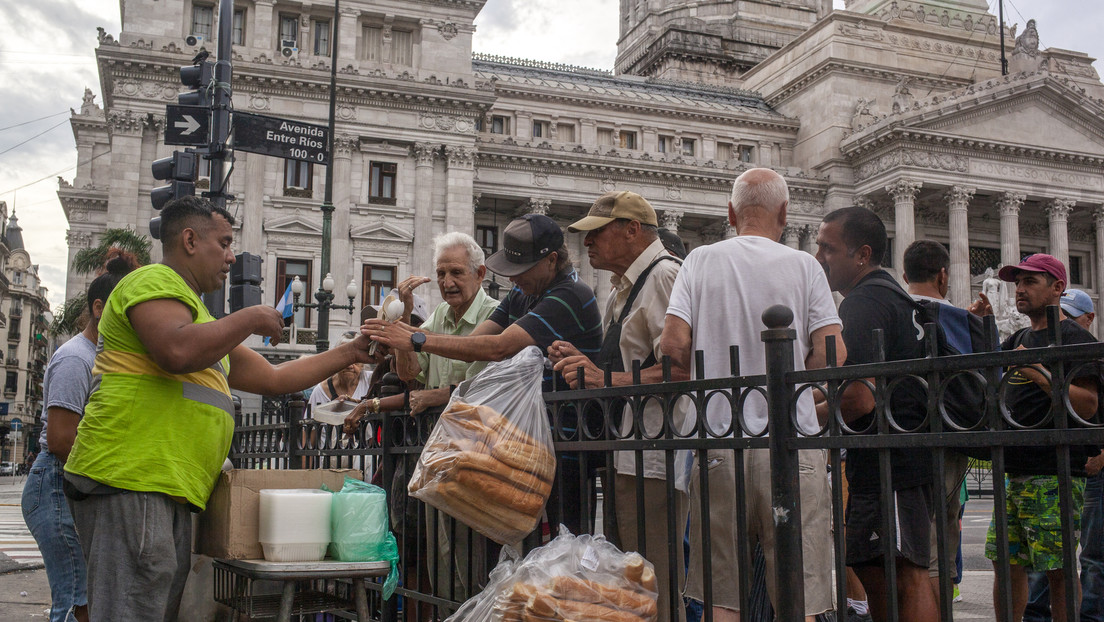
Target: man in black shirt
{"points": [[851, 243], [1031, 483]]}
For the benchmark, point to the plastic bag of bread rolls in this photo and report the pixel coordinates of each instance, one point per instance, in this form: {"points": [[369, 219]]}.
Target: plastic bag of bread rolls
{"points": [[581, 579], [488, 461]]}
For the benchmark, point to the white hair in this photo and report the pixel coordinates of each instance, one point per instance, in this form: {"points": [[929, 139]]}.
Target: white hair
{"points": [[761, 188], [452, 239]]}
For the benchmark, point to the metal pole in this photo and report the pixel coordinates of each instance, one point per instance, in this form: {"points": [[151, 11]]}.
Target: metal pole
{"points": [[785, 499], [220, 116], [322, 342], [1004, 59]]}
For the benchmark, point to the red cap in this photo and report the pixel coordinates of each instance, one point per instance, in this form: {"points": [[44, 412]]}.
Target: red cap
{"points": [[1039, 262]]}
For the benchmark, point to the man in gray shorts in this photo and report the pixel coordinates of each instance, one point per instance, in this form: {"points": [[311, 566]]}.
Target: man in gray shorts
{"points": [[718, 299]]}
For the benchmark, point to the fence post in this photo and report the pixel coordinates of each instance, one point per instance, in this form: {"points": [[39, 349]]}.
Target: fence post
{"points": [[789, 567]]}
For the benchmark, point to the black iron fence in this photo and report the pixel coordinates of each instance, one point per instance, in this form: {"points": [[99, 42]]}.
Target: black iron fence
{"points": [[443, 563]]}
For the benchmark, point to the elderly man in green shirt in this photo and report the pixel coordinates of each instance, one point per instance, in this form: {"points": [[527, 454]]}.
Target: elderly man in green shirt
{"points": [[460, 271]]}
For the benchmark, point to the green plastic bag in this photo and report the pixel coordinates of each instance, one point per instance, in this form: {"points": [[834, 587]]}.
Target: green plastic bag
{"points": [[360, 528]]}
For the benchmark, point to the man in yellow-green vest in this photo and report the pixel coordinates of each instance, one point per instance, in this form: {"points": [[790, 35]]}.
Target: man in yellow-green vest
{"points": [[158, 426]]}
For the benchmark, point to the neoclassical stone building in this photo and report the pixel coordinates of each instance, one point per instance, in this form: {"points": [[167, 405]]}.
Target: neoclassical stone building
{"points": [[896, 104]]}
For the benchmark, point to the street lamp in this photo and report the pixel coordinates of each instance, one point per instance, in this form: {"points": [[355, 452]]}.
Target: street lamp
{"points": [[325, 297]]}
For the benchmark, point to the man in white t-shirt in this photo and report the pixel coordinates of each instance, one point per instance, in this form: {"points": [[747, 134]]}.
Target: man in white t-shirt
{"points": [[717, 301]]}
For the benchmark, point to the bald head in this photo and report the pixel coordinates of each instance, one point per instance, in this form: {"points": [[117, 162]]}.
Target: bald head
{"points": [[759, 188]]}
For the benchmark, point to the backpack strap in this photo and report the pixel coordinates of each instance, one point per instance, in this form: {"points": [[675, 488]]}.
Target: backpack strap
{"points": [[895, 287]]}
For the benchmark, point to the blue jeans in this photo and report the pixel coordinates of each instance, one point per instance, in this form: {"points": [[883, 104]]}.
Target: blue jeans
{"points": [[46, 513], [1092, 551]]}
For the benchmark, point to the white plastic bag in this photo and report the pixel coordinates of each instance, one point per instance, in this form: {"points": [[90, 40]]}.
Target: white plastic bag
{"points": [[570, 578], [489, 461]]}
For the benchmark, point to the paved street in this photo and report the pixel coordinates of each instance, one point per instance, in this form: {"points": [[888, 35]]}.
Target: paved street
{"points": [[17, 547]]}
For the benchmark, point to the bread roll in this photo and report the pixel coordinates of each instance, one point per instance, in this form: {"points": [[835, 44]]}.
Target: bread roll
{"points": [[497, 491], [587, 591], [634, 567], [499, 523], [533, 459], [511, 605], [579, 611], [482, 462]]}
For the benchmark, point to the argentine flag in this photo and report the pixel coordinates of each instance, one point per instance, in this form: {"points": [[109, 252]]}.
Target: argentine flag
{"points": [[284, 307]]}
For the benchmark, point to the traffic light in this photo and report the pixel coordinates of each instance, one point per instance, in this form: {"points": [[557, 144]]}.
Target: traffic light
{"points": [[245, 281], [181, 170], [199, 78]]}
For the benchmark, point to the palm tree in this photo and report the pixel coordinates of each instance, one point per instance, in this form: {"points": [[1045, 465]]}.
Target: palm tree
{"points": [[70, 318]]}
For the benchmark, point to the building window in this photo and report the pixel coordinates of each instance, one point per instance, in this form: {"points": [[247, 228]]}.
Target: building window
{"points": [[321, 37], [17, 308], [298, 176], [286, 271], [747, 153], [540, 129], [402, 47], [202, 20], [378, 281], [17, 278], [688, 145], [982, 258], [1075, 273], [373, 43], [666, 144], [724, 152], [500, 125], [487, 238], [289, 31], [238, 38], [11, 382], [628, 140], [381, 183], [565, 132], [13, 355], [605, 137]]}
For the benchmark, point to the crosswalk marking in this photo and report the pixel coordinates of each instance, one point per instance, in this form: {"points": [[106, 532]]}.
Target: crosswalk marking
{"points": [[16, 541]]}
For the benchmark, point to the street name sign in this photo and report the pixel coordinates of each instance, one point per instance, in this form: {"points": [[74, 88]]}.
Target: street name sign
{"points": [[187, 125], [282, 138]]}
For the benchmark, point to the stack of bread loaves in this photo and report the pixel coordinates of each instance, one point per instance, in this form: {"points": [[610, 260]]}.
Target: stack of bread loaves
{"points": [[486, 471], [579, 579]]}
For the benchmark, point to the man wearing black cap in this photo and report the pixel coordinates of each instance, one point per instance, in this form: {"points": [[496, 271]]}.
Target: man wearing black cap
{"points": [[1031, 489], [547, 303]]}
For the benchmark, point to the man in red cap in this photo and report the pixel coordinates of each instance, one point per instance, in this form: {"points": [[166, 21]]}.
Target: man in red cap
{"points": [[1031, 482]]}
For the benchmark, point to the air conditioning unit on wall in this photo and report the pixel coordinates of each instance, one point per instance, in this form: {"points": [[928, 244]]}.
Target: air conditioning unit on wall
{"points": [[194, 41], [289, 50]]}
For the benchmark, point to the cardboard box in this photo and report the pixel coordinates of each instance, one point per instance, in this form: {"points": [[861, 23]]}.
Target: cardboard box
{"points": [[228, 528]]}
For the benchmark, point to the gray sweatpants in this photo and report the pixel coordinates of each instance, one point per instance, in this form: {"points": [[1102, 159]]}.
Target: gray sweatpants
{"points": [[138, 549]]}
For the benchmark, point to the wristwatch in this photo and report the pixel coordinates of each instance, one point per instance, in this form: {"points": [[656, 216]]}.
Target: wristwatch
{"points": [[418, 339]]}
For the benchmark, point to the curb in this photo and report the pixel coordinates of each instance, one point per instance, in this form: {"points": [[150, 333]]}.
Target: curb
{"points": [[21, 568]]}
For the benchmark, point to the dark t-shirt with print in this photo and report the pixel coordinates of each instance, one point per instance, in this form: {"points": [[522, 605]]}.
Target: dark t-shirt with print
{"points": [[566, 311], [1029, 404], [865, 309]]}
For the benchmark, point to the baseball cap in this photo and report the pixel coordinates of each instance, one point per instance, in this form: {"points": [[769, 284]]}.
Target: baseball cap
{"points": [[525, 242], [1039, 262], [1076, 303], [613, 205]]}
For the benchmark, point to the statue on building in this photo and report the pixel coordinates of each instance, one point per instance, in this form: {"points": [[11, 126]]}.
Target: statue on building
{"points": [[1026, 57], [1002, 298], [862, 116], [902, 97], [88, 105]]}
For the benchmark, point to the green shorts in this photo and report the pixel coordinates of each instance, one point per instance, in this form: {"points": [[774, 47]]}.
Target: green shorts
{"points": [[1035, 521]]}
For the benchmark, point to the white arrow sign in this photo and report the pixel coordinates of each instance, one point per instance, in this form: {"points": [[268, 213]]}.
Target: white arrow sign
{"points": [[189, 124]]}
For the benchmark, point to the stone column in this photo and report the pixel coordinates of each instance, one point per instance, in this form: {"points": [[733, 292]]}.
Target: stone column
{"points": [[424, 155], [1058, 211], [1098, 220], [808, 238], [461, 174], [765, 158], [347, 29], [903, 192], [252, 234], [262, 28], [538, 206], [791, 236], [126, 128], [1009, 204], [341, 244], [523, 127], [671, 219], [958, 200]]}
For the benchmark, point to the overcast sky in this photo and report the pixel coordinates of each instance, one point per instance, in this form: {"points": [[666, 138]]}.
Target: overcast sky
{"points": [[46, 61]]}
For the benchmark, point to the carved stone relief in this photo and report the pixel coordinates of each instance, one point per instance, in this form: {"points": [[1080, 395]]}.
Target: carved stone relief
{"points": [[913, 157]]}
